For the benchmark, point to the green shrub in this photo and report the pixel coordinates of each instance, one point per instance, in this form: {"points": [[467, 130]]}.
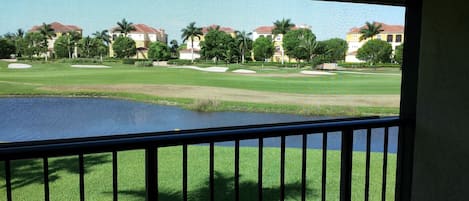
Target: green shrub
{"points": [[181, 62], [80, 61], [144, 63], [367, 65], [30, 59], [128, 61], [204, 105]]}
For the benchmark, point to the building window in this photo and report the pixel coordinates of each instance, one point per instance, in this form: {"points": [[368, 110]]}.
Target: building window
{"points": [[378, 37], [389, 39], [398, 38]]}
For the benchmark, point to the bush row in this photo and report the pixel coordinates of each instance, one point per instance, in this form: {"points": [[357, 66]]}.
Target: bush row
{"points": [[144, 63], [80, 61], [368, 65]]}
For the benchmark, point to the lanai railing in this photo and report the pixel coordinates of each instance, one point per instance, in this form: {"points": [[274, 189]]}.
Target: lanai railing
{"points": [[151, 142]]}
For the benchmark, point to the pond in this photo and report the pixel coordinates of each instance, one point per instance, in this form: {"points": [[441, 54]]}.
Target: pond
{"points": [[31, 119]]}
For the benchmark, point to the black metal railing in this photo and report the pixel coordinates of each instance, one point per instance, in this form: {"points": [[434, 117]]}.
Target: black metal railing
{"points": [[152, 141]]}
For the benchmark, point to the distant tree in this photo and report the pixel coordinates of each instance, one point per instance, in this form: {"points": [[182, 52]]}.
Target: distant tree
{"points": [[7, 48], [103, 36], [282, 27], [174, 48], [292, 42], [191, 32], [217, 44], [62, 48], [125, 27], [47, 32], [65, 45], [310, 45], [371, 29], [244, 43], [375, 51], [87, 45], [124, 47], [334, 49], [34, 44], [19, 40], [159, 51], [399, 54], [263, 48]]}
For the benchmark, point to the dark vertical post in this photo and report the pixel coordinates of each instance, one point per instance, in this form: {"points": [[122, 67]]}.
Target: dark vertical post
{"points": [[212, 171], [151, 174], [114, 176], [184, 172], [324, 167], [385, 163], [367, 164], [260, 169], [236, 170], [8, 179], [408, 108], [282, 168], [303, 167], [45, 165], [346, 165], [81, 165]]}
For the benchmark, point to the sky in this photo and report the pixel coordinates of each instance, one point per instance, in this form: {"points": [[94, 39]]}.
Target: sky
{"points": [[328, 19]]}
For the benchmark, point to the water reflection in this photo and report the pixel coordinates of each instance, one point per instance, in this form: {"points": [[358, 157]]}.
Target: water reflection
{"points": [[27, 119]]}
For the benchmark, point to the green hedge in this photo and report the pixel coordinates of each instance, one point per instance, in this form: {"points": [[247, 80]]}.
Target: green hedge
{"points": [[367, 65], [182, 62], [80, 61], [144, 63], [132, 61], [30, 59]]}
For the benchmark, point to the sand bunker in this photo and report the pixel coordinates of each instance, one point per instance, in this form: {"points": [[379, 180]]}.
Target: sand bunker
{"points": [[18, 66], [90, 66], [308, 72], [209, 69], [244, 71]]}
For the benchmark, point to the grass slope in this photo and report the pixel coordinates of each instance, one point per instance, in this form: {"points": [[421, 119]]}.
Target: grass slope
{"points": [[27, 175]]}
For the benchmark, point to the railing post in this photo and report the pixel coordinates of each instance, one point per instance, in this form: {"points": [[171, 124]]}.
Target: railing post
{"points": [[151, 174], [346, 165]]}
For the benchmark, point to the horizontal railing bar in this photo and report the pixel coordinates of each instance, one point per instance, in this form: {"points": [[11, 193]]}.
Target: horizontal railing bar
{"points": [[136, 135], [173, 138]]}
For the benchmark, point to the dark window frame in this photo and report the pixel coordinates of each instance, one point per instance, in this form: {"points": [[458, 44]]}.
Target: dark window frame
{"points": [[390, 38]]}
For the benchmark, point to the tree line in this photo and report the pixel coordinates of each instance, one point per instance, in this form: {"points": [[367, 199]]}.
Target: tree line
{"points": [[297, 43]]}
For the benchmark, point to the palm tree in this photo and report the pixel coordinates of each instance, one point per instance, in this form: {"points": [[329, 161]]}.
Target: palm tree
{"points": [[125, 27], [244, 40], [72, 39], [370, 30], [103, 36], [191, 32], [18, 39], [47, 32], [174, 48], [20, 33], [310, 45], [282, 27]]}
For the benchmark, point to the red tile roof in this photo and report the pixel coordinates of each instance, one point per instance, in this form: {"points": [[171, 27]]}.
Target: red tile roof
{"points": [[268, 29], [143, 28], [213, 26], [385, 27], [264, 29], [58, 28]]}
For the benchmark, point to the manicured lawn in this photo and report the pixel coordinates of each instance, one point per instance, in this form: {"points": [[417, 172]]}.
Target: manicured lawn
{"points": [[27, 82], [63, 74], [27, 175]]}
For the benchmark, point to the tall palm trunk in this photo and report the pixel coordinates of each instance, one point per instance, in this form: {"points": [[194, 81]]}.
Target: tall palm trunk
{"points": [[192, 50]]}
